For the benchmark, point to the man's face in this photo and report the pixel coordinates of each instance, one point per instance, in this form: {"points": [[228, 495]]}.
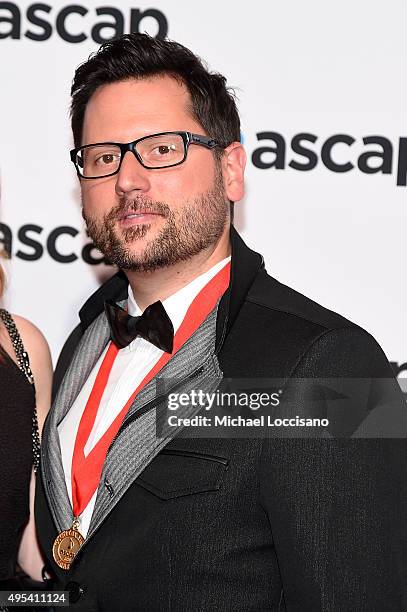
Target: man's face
{"points": [[145, 219]]}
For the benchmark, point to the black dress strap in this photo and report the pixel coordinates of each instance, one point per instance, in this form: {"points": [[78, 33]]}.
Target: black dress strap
{"points": [[23, 363]]}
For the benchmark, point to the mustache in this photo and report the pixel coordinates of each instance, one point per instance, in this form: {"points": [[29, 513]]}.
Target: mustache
{"points": [[138, 205]]}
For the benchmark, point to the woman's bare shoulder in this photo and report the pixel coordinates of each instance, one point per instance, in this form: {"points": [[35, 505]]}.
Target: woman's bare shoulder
{"points": [[40, 361], [30, 334]]}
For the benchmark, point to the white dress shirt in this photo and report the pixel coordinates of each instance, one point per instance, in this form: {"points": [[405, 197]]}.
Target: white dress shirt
{"points": [[132, 364]]}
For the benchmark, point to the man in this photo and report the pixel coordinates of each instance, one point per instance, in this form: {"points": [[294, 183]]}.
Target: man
{"points": [[133, 521]]}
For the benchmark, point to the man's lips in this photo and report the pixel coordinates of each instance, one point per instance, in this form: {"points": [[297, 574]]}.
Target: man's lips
{"points": [[132, 217]]}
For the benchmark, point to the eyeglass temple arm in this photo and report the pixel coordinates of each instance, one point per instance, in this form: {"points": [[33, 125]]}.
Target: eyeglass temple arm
{"points": [[211, 143]]}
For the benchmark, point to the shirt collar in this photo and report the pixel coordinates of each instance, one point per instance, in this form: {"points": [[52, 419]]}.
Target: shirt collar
{"points": [[177, 304]]}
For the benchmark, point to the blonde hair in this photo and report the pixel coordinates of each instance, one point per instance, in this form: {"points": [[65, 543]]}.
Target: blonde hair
{"points": [[2, 280], [3, 256]]}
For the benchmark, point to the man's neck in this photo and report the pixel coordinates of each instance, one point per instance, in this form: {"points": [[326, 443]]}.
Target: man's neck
{"points": [[148, 287]]}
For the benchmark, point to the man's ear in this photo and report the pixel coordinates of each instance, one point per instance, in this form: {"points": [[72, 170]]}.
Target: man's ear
{"points": [[233, 165]]}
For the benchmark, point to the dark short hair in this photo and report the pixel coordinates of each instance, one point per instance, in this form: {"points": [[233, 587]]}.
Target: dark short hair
{"points": [[141, 56]]}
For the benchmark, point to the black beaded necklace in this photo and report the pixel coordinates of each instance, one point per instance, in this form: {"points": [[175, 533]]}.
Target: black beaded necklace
{"points": [[23, 363]]}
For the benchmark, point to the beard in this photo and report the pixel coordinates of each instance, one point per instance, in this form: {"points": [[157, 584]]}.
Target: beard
{"points": [[197, 225]]}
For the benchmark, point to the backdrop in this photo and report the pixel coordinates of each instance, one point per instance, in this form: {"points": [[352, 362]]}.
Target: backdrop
{"points": [[322, 96]]}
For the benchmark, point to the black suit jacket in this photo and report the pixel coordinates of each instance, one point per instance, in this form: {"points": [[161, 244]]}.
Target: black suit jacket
{"points": [[300, 524]]}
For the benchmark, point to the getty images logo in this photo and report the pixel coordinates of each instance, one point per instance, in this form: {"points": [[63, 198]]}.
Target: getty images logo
{"points": [[40, 21], [339, 153]]}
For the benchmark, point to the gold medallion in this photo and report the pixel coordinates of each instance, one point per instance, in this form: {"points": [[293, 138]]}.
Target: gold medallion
{"points": [[66, 546]]}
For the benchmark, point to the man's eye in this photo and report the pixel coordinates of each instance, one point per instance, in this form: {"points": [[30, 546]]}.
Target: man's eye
{"points": [[164, 149], [106, 159]]}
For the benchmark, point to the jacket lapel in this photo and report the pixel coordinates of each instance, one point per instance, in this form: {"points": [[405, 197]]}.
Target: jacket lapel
{"points": [[86, 355], [193, 366]]}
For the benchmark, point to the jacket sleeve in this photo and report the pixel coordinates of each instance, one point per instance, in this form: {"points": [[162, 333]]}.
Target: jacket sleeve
{"points": [[337, 505]]}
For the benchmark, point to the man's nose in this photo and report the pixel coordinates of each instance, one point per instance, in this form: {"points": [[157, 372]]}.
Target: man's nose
{"points": [[132, 176]]}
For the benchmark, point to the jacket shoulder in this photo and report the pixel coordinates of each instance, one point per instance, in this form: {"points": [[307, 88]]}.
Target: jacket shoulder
{"points": [[65, 358], [273, 296], [114, 288], [281, 330]]}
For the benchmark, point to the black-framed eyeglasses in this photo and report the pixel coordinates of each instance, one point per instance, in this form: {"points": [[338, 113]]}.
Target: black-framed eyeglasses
{"points": [[156, 151]]}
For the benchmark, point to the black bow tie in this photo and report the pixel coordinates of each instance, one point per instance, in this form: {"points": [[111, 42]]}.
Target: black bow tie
{"points": [[154, 325]]}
